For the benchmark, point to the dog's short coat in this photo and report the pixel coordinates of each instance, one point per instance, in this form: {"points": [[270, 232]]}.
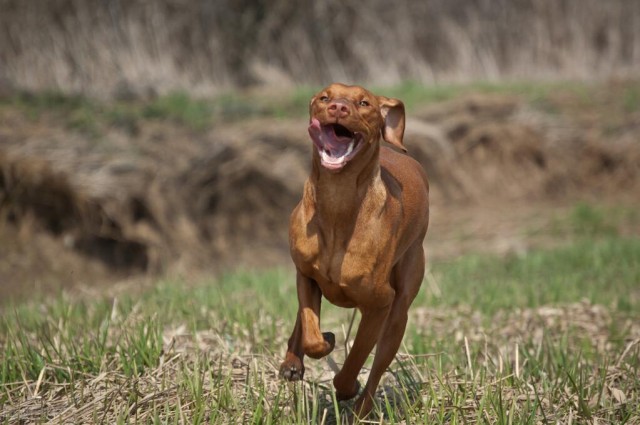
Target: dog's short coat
{"points": [[356, 236]]}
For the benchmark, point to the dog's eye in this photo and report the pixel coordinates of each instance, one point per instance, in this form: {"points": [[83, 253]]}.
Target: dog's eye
{"points": [[324, 98], [363, 103]]}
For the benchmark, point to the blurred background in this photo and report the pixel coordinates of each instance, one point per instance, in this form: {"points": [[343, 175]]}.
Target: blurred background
{"points": [[143, 138], [115, 48]]}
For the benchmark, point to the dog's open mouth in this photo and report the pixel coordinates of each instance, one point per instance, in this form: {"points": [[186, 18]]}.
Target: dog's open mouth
{"points": [[336, 144]]}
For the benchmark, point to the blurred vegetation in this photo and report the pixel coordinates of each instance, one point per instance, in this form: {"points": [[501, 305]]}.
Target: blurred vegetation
{"points": [[119, 49], [90, 115], [599, 264], [632, 99], [589, 221], [602, 270]]}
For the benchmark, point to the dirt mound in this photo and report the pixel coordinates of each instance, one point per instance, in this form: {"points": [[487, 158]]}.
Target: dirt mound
{"points": [[30, 188], [499, 147], [33, 194], [169, 199]]}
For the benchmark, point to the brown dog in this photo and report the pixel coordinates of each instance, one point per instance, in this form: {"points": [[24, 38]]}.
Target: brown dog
{"points": [[356, 236]]}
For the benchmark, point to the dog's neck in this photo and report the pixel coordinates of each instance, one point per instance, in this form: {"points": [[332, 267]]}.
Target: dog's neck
{"points": [[338, 197]]}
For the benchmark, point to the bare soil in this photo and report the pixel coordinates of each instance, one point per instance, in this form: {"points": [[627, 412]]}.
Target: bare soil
{"points": [[86, 209]]}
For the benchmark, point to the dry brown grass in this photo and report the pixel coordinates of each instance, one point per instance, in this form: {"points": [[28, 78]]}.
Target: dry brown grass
{"points": [[136, 48]]}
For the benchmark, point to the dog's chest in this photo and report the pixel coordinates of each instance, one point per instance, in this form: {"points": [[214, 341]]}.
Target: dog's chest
{"points": [[344, 268]]}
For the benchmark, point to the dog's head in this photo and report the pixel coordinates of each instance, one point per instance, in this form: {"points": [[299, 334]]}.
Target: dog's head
{"points": [[346, 121]]}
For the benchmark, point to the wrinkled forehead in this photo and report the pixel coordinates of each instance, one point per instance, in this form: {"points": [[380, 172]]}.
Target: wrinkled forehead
{"points": [[347, 92]]}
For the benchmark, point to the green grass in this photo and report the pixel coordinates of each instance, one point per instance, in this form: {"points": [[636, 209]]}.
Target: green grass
{"points": [[539, 338], [415, 94], [92, 117], [605, 272], [631, 99]]}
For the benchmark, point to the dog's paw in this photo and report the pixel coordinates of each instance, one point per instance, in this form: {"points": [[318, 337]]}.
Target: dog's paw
{"points": [[292, 370], [320, 348], [342, 394], [330, 339]]}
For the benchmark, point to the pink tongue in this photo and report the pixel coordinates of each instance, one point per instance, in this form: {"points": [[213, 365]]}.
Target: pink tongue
{"points": [[326, 139]]}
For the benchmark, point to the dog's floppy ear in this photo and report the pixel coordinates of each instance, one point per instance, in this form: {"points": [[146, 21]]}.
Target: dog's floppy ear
{"points": [[392, 111], [311, 103]]}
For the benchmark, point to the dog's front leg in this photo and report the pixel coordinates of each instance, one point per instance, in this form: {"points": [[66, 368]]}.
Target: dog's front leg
{"points": [[315, 344], [306, 337], [292, 368]]}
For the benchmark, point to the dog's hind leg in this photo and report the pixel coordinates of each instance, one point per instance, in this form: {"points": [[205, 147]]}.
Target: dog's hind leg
{"points": [[346, 381], [407, 276]]}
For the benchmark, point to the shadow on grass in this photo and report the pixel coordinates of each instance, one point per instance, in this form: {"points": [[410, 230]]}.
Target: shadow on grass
{"points": [[397, 398]]}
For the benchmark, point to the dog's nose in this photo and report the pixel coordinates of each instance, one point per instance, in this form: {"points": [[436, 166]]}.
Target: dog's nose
{"points": [[338, 109]]}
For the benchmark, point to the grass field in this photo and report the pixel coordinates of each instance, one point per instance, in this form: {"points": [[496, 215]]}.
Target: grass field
{"points": [[544, 337]]}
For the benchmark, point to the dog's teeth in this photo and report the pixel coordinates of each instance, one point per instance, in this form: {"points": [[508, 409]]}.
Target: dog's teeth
{"points": [[326, 156], [349, 149]]}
